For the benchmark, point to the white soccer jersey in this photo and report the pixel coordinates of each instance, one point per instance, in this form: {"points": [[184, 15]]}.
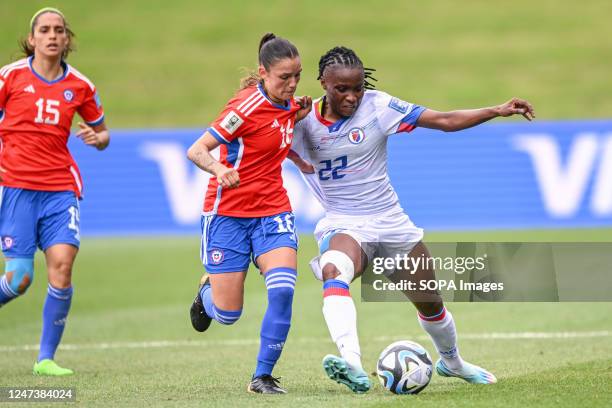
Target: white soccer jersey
{"points": [[350, 156]]}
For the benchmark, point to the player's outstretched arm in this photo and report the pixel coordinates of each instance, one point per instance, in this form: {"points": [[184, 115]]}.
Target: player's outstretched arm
{"points": [[96, 136], [304, 166], [199, 154], [463, 119]]}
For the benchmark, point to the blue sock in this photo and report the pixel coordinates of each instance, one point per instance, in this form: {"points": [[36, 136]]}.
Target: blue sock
{"points": [[207, 301], [6, 293], [280, 283], [226, 316], [55, 312], [220, 315], [18, 276]]}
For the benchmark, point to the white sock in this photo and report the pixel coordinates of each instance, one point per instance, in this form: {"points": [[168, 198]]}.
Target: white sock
{"points": [[441, 329], [341, 318]]}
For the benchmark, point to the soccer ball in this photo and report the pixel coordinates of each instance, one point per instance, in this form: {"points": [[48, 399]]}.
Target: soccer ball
{"points": [[404, 367]]}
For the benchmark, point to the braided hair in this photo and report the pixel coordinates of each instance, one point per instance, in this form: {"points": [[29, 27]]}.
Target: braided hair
{"points": [[347, 58]]}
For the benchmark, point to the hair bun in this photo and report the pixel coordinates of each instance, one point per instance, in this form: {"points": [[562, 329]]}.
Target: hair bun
{"points": [[266, 37]]}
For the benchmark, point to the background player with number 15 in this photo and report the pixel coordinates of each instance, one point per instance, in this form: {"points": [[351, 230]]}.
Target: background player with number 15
{"points": [[40, 183]]}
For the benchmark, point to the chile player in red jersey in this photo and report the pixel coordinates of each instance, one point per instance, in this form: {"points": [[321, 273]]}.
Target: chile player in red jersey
{"points": [[247, 214], [40, 184]]}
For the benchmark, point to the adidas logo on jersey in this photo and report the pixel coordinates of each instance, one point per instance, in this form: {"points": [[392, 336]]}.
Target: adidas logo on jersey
{"points": [[275, 124], [29, 88]]}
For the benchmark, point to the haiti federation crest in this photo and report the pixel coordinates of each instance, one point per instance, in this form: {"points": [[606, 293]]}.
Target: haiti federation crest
{"points": [[356, 135]]}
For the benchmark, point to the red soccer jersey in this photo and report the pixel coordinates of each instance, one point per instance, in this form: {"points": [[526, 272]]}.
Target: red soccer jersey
{"points": [[35, 120], [256, 135]]}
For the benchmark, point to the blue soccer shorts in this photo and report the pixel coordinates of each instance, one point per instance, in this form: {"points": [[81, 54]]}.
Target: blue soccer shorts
{"points": [[31, 219], [229, 243]]}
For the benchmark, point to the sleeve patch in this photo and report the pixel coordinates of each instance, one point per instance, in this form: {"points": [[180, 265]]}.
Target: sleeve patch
{"points": [[231, 122], [97, 99], [399, 105]]}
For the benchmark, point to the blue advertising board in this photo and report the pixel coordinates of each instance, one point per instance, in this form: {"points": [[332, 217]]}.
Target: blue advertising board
{"points": [[500, 175]]}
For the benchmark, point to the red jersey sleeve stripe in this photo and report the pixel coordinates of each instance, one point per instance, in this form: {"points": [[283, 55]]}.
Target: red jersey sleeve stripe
{"points": [[256, 105], [82, 77], [97, 121], [217, 135], [247, 100], [10, 68], [249, 107], [18, 64]]}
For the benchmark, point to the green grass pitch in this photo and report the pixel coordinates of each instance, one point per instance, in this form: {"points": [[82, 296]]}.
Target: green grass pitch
{"points": [[130, 341]]}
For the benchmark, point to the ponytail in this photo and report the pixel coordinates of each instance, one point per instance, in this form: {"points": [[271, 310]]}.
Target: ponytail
{"points": [[271, 50]]}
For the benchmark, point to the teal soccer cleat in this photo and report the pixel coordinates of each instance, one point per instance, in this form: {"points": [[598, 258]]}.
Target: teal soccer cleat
{"points": [[338, 370], [469, 372]]}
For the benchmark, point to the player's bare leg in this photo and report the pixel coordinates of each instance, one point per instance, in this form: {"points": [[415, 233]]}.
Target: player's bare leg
{"points": [[220, 297], [60, 259], [341, 263], [439, 324]]}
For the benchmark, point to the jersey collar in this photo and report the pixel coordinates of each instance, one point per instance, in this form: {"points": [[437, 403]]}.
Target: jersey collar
{"points": [[331, 126], [276, 105], [64, 65]]}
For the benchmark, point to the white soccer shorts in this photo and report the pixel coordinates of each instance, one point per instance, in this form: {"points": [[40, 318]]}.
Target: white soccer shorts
{"points": [[386, 234]]}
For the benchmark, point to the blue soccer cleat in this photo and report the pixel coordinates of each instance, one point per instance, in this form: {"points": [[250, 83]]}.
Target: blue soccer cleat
{"points": [[469, 372], [338, 370]]}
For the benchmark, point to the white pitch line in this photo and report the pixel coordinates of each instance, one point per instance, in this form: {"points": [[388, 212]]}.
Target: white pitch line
{"points": [[252, 342], [519, 335]]}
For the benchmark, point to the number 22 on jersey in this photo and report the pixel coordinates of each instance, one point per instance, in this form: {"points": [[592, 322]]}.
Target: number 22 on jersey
{"points": [[332, 168]]}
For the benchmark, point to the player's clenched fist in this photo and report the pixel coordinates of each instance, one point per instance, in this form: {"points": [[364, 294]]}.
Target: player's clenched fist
{"points": [[305, 103], [228, 177], [516, 106]]}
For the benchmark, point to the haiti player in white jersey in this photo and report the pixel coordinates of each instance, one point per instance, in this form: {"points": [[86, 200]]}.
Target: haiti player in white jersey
{"points": [[341, 147]]}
